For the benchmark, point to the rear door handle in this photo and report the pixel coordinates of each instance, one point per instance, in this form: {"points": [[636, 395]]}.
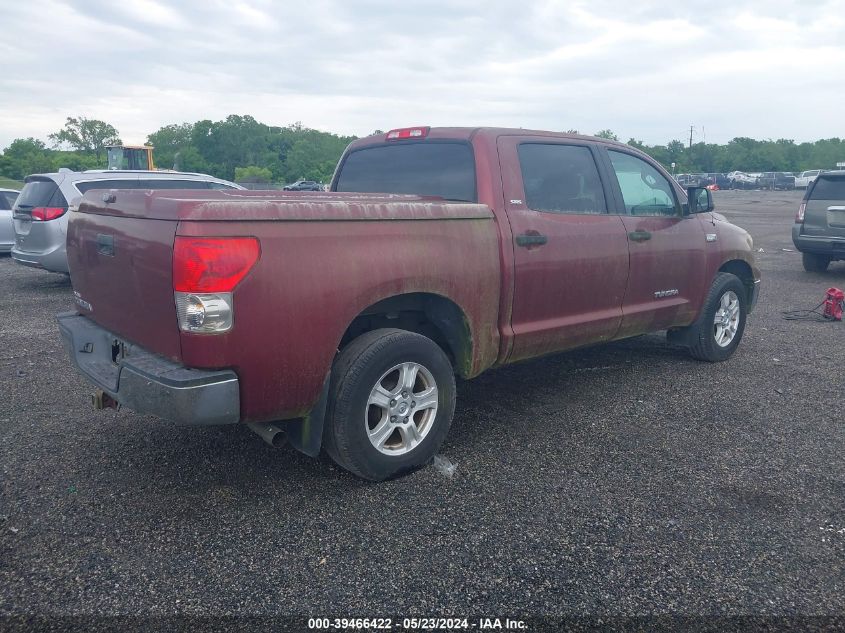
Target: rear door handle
{"points": [[531, 239], [639, 236]]}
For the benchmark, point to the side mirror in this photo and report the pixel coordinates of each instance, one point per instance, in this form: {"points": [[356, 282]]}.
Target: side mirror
{"points": [[700, 200]]}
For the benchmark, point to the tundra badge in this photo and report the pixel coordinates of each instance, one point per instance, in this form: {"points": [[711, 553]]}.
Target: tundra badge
{"points": [[665, 293]]}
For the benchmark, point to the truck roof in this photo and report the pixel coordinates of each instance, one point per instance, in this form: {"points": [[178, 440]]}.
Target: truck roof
{"points": [[466, 133]]}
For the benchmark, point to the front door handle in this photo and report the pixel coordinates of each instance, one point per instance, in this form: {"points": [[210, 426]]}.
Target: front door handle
{"points": [[531, 239], [639, 236]]}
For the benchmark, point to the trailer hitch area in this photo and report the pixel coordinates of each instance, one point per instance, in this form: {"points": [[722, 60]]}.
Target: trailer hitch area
{"points": [[101, 400]]}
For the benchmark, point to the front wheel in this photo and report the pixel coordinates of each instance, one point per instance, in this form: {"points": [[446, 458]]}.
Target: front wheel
{"points": [[392, 398], [719, 329]]}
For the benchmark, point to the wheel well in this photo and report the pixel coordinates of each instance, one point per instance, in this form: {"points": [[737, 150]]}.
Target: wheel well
{"points": [[431, 315], [742, 270]]}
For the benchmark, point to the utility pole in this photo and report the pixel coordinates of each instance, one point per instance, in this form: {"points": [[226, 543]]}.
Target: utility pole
{"points": [[691, 129]]}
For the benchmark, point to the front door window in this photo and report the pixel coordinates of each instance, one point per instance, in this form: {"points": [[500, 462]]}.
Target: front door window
{"points": [[645, 190]]}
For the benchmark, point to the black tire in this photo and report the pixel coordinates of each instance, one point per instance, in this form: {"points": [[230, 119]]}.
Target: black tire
{"points": [[356, 372], [703, 332], [815, 263]]}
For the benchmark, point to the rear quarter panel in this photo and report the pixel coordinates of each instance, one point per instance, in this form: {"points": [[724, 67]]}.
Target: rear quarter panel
{"points": [[314, 277]]}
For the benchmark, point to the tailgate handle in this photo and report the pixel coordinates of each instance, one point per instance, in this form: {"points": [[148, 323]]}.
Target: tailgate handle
{"points": [[105, 244]]}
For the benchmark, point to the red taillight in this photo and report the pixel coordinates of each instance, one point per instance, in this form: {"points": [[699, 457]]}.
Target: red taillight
{"points": [[42, 214], [408, 132], [212, 264], [800, 216]]}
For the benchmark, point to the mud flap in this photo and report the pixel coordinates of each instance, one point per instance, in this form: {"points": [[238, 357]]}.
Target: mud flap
{"points": [[306, 434]]}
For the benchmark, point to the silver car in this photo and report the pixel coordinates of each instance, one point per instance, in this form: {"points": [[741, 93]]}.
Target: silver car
{"points": [[41, 210], [7, 229]]}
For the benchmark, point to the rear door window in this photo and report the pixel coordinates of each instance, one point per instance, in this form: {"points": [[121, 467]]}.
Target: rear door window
{"points": [[41, 192], [444, 169], [560, 179], [173, 184], [826, 188], [106, 184]]}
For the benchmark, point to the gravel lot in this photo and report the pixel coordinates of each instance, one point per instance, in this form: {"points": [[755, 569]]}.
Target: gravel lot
{"points": [[625, 479]]}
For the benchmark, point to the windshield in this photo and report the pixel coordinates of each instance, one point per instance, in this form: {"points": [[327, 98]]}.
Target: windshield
{"points": [[444, 169]]}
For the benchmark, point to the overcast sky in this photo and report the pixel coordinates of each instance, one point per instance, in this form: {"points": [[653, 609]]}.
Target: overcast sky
{"points": [[649, 70]]}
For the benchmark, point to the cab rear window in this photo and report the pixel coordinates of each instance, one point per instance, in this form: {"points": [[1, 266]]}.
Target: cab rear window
{"points": [[827, 188], [444, 169]]}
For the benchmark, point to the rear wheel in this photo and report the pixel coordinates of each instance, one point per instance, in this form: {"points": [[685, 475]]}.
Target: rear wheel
{"points": [[815, 263], [391, 401]]}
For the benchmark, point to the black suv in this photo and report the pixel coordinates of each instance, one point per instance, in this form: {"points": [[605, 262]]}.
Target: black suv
{"points": [[776, 180], [304, 185], [819, 230]]}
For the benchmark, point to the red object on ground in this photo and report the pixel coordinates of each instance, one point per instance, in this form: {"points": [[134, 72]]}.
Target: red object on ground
{"points": [[834, 302], [713, 187]]}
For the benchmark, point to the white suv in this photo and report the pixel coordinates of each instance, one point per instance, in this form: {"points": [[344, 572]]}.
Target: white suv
{"points": [[40, 212]]}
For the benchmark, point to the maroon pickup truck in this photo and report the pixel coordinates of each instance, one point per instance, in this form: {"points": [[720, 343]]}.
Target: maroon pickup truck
{"points": [[342, 318]]}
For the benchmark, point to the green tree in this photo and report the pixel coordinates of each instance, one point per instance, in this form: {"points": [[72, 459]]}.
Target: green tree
{"points": [[608, 134], [86, 135], [169, 142], [253, 174], [25, 156]]}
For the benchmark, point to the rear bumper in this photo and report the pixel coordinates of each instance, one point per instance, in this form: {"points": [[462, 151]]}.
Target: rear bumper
{"points": [[54, 260], [147, 383], [41, 244], [818, 244]]}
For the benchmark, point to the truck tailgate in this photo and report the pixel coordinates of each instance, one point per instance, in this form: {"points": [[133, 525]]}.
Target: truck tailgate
{"points": [[121, 270]]}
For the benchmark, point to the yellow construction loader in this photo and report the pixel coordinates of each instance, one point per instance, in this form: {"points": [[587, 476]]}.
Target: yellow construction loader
{"points": [[131, 157]]}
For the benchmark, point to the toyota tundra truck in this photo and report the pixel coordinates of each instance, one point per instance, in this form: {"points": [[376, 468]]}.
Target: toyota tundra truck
{"points": [[339, 320]]}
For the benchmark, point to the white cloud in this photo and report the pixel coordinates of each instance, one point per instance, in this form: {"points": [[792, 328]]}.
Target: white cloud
{"points": [[647, 69]]}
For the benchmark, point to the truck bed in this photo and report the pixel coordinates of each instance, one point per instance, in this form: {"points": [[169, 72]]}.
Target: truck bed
{"points": [[290, 315]]}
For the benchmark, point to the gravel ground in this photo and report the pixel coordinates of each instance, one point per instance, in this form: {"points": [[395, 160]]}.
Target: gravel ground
{"points": [[626, 479]]}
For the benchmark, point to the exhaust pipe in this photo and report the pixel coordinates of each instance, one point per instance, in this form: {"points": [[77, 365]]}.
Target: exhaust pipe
{"points": [[270, 433]]}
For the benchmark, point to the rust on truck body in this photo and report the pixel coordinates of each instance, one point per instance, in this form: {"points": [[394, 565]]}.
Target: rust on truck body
{"points": [[282, 354]]}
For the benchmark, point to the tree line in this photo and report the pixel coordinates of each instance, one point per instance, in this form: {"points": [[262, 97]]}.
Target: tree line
{"points": [[245, 150]]}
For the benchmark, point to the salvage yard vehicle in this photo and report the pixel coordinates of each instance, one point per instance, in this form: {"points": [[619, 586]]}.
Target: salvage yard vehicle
{"points": [[7, 230], [341, 319], [41, 211], [742, 180], [776, 180], [806, 178], [819, 229], [303, 185]]}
